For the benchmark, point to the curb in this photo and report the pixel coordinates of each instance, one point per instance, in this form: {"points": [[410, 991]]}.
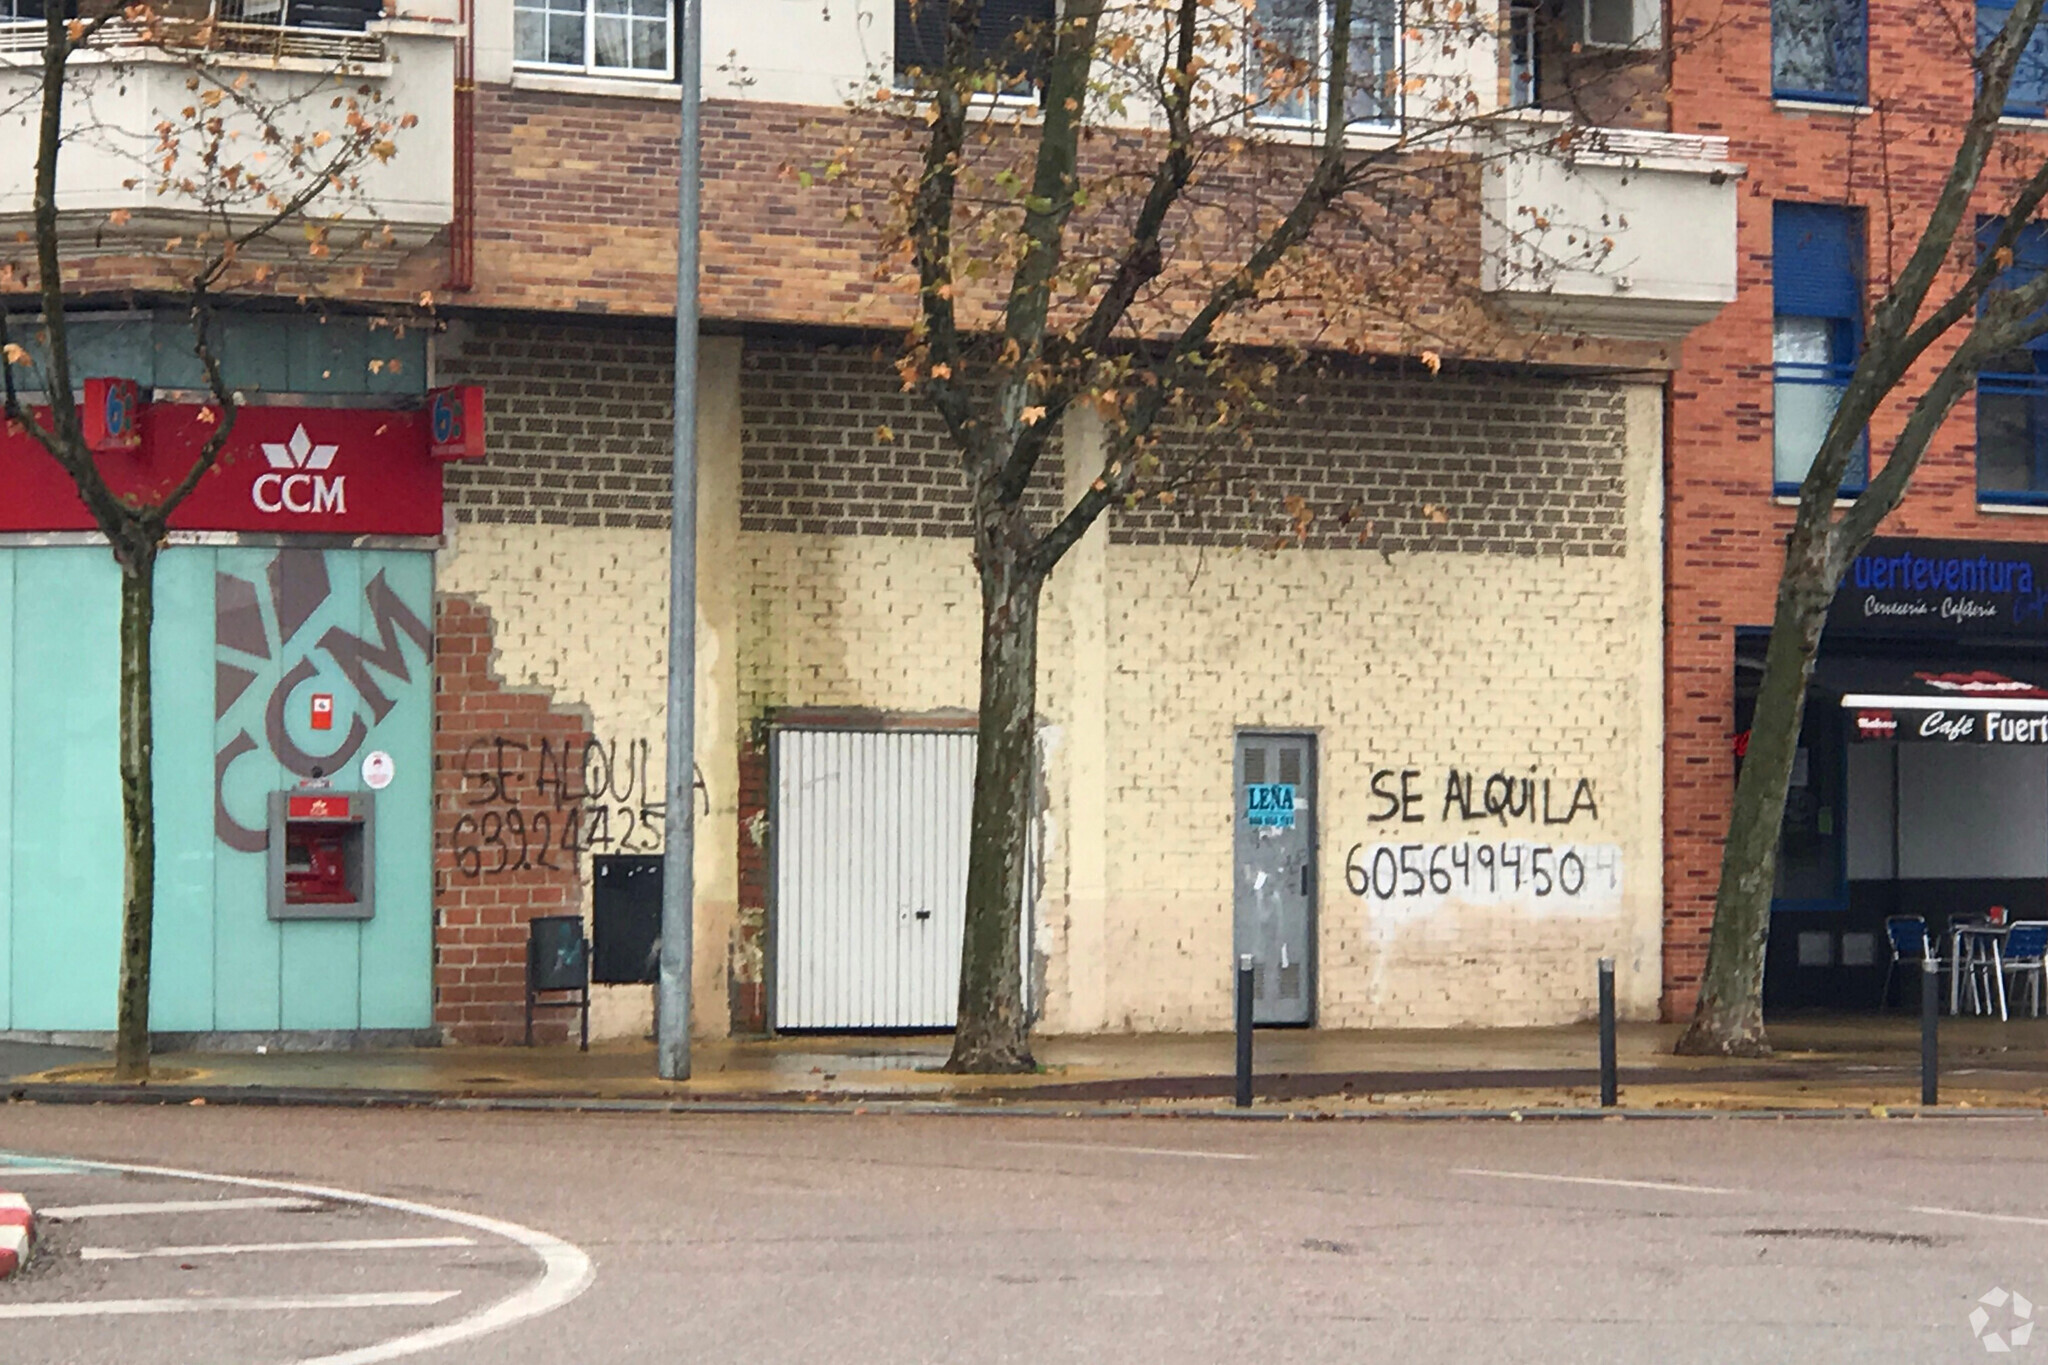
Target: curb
{"points": [[860, 1105], [17, 1232]]}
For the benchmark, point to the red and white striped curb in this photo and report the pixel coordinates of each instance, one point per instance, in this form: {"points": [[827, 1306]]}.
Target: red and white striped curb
{"points": [[17, 1230]]}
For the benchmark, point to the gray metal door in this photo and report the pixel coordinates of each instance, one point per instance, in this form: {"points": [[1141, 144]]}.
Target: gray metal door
{"points": [[1275, 845]]}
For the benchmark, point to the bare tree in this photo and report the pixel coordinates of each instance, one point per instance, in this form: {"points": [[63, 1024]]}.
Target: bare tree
{"points": [[1952, 291], [1185, 203], [239, 162]]}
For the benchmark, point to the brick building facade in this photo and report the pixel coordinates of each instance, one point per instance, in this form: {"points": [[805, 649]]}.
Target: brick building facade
{"points": [[1865, 134], [1420, 598]]}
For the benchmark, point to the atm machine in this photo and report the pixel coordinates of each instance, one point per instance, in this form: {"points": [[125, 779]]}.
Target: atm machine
{"points": [[320, 862]]}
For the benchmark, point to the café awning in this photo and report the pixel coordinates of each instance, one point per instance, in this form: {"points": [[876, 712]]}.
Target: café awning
{"points": [[2001, 703]]}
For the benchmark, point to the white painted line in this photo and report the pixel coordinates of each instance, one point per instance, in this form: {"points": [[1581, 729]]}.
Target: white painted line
{"points": [[175, 1206], [1594, 1180], [10, 1172], [1987, 1217], [250, 1248], [296, 1303], [565, 1269], [1139, 1151]]}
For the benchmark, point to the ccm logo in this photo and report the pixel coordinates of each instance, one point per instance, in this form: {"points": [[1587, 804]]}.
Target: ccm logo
{"points": [[299, 493], [295, 483]]}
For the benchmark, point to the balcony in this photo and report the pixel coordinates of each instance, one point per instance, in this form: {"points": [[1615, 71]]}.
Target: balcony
{"points": [[295, 52], [1607, 232]]}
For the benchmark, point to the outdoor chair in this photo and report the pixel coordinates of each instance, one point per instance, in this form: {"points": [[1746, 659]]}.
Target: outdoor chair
{"points": [[2026, 954], [1906, 936], [1975, 979]]}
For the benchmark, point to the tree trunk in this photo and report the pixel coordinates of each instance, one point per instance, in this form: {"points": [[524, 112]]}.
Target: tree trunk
{"points": [[138, 816], [1728, 1017], [993, 1032]]}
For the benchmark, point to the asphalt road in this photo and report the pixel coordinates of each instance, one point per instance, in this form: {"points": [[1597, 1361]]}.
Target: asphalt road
{"points": [[878, 1238]]}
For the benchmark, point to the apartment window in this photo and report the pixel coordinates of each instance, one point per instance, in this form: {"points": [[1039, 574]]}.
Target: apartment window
{"points": [[1555, 46], [1819, 50], [2028, 97], [1290, 61], [1816, 331], [2012, 393], [1008, 41], [602, 37]]}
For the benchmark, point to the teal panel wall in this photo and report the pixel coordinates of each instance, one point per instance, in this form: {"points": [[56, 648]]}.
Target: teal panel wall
{"points": [[398, 945], [245, 637], [314, 607], [245, 940], [321, 963], [300, 353], [181, 657], [7, 650], [66, 789]]}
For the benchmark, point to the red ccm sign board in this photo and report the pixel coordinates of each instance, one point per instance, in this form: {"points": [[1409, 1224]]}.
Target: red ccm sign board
{"points": [[304, 471]]}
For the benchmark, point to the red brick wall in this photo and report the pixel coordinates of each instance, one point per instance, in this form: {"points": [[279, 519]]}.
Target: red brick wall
{"points": [[497, 794], [746, 985], [1725, 533], [576, 212]]}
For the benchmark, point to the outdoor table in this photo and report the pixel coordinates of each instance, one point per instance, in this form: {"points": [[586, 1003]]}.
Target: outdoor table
{"points": [[1980, 939]]}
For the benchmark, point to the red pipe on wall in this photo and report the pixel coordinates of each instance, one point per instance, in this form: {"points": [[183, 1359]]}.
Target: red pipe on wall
{"points": [[462, 231]]}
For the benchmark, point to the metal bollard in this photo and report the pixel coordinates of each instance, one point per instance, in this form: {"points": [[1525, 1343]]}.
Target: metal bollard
{"points": [[1610, 1084], [1244, 1031], [1930, 1031]]}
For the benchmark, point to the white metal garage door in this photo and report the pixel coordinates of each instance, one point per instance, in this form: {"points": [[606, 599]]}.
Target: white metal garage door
{"points": [[870, 846]]}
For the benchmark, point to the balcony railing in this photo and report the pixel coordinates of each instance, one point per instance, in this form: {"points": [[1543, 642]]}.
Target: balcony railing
{"points": [[1619, 232], [314, 30]]}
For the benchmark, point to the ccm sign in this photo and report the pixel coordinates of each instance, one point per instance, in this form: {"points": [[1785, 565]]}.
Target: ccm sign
{"points": [[299, 481], [345, 471]]}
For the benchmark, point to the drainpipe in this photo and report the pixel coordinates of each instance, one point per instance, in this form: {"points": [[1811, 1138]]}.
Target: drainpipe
{"points": [[462, 228]]}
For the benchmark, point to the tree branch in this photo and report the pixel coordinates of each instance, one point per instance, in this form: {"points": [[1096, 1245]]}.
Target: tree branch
{"points": [[1325, 185], [2012, 320], [1142, 258], [1995, 64], [1055, 182], [931, 225]]}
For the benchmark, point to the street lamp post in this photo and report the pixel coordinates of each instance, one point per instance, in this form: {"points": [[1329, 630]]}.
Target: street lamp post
{"points": [[672, 993]]}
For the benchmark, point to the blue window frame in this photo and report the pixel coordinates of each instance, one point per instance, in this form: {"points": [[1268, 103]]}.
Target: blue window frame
{"points": [[2012, 392], [1816, 334], [2028, 97], [1820, 50]]}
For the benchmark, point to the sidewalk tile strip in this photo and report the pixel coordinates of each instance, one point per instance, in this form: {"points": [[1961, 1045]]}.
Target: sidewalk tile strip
{"points": [[253, 1248], [176, 1206], [91, 1308]]}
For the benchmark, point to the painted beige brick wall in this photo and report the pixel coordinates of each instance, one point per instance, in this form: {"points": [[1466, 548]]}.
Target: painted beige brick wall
{"points": [[1431, 663], [1152, 656], [580, 611], [884, 622]]}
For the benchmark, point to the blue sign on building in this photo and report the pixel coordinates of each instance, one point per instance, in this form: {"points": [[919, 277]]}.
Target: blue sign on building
{"points": [[1269, 804]]}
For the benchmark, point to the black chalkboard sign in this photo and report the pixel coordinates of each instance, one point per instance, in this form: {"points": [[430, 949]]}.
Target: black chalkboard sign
{"points": [[626, 918]]}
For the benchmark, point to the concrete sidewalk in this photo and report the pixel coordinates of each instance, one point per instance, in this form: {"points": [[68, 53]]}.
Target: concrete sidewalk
{"points": [[1843, 1064]]}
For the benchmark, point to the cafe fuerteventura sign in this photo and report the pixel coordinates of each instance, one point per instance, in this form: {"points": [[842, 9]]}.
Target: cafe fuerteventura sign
{"points": [[1953, 588]]}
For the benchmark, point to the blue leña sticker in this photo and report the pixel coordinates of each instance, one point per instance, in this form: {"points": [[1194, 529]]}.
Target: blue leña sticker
{"points": [[1269, 804]]}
